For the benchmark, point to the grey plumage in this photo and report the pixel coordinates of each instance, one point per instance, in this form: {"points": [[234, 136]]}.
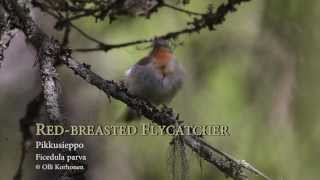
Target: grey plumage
{"points": [[155, 83]]}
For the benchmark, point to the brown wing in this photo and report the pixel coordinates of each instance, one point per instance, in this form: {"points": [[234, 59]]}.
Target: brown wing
{"points": [[144, 61]]}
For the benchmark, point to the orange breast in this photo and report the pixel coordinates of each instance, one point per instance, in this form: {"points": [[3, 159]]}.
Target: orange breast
{"points": [[162, 56]]}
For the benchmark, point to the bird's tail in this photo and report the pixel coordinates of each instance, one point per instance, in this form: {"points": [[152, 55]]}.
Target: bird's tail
{"points": [[130, 115]]}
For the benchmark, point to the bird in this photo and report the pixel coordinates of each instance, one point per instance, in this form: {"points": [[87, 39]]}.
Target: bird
{"points": [[155, 78]]}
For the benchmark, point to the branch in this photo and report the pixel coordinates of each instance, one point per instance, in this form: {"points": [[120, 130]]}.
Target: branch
{"points": [[47, 54], [209, 20], [66, 34], [223, 161], [33, 111], [6, 33], [191, 13], [5, 40], [163, 116], [99, 10]]}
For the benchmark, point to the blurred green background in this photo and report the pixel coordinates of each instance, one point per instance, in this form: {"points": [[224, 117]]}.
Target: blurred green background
{"points": [[257, 73]]}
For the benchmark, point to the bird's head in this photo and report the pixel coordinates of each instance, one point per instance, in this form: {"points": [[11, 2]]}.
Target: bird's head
{"points": [[162, 56], [161, 52]]}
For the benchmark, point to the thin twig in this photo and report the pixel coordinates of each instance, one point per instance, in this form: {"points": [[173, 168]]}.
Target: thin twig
{"points": [[209, 20], [86, 35], [67, 30], [182, 10]]}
